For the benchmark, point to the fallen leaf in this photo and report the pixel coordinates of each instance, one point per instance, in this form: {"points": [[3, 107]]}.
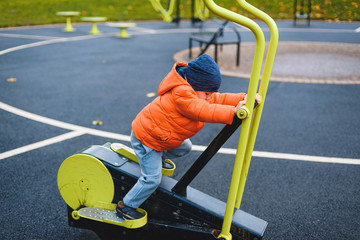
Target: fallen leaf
{"points": [[97, 122], [11, 80], [151, 94]]}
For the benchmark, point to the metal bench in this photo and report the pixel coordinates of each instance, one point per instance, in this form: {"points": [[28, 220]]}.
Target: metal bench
{"points": [[215, 38]]}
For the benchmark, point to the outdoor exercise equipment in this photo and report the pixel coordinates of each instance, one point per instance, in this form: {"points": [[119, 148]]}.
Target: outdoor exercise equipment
{"points": [[68, 15], [92, 180], [302, 11], [199, 12], [167, 13], [122, 26], [87, 187], [94, 29]]}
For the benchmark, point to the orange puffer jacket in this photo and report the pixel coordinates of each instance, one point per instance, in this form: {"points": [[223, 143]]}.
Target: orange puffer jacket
{"points": [[178, 113]]}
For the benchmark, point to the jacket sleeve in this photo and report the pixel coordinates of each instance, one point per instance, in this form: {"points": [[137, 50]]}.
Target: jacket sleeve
{"points": [[188, 104], [227, 98]]}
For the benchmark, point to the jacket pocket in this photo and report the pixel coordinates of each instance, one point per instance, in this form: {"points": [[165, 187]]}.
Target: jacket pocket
{"points": [[161, 134]]}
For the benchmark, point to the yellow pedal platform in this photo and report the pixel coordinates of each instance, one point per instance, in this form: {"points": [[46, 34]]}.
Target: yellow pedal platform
{"points": [[130, 154], [108, 215], [88, 188]]}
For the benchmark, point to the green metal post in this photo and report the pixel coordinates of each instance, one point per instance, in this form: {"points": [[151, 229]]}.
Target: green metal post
{"points": [[262, 91], [245, 128]]}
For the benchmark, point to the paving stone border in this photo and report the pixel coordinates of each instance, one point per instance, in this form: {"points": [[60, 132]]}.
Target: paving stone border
{"points": [[298, 62]]}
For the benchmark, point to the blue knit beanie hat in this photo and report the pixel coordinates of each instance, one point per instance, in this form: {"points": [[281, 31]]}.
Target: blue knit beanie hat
{"points": [[203, 74]]}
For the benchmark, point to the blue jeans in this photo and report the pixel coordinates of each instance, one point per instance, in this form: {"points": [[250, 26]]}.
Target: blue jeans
{"points": [[151, 166]]}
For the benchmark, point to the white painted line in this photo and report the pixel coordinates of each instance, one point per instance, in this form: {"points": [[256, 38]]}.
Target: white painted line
{"points": [[357, 30], [314, 30], [126, 138], [30, 45], [26, 36], [308, 158], [242, 27], [287, 156], [56, 25], [40, 144], [63, 125], [142, 30], [145, 30], [52, 41]]}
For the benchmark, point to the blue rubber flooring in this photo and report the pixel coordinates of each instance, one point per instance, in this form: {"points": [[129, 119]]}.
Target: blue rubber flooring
{"points": [[84, 78]]}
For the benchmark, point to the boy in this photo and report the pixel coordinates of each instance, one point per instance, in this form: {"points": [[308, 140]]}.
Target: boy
{"points": [[187, 99]]}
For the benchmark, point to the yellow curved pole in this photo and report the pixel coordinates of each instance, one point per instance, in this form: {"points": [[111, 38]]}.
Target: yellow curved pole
{"points": [[246, 123], [171, 7], [274, 38], [200, 10], [159, 8]]}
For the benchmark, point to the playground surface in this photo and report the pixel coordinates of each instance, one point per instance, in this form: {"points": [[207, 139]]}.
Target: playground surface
{"points": [[304, 175]]}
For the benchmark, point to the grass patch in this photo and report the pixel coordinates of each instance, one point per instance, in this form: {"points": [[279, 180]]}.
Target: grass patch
{"points": [[34, 12]]}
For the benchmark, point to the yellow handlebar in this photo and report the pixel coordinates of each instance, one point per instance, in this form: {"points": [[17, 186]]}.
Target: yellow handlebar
{"points": [[247, 136], [270, 57]]}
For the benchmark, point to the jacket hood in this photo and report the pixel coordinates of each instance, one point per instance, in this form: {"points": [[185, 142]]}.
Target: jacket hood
{"points": [[173, 79]]}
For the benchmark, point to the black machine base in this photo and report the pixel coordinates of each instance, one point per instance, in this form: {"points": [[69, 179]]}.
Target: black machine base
{"points": [[195, 215]]}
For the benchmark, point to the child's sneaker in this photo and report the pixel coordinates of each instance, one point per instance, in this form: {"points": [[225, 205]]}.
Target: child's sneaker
{"points": [[127, 212], [166, 164]]}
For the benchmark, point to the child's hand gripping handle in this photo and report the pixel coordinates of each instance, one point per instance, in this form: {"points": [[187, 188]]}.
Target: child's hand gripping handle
{"points": [[242, 111]]}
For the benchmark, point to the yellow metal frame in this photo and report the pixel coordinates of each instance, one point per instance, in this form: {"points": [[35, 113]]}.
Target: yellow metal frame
{"points": [[250, 122], [160, 9], [200, 10], [270, 57]]}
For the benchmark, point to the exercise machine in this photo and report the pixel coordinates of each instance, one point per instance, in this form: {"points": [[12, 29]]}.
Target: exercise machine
{"points": [[167, 13], [171, 13], [199, 11], [302, 11], [93, 180]]}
